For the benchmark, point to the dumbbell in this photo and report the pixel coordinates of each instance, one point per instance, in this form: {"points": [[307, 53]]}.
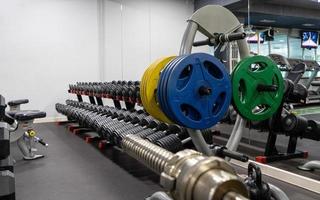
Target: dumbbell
{"points": [[313, 130], [148, 133], [99, 120], [106, 87], [138, 121], [172, 142], [86, 117], [294, 124], [98, 89], [110, 126], [145, 123], [106, 111], [112, 113], [171, 129], [176, 142], [126, 91], [113, 89], [101, 114], [133, 92], [146, 127]]}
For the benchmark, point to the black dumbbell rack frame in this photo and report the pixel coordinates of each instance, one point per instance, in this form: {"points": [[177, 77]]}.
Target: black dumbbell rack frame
{"points": [[97, 99]]}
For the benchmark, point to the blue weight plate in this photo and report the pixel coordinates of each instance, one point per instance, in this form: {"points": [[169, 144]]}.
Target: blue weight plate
{"points": [[169, 71], [161, 88], [184, 101], [168, 108], [165, 86]]}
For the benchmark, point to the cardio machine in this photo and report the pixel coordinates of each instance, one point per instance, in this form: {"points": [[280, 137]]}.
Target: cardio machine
{"points": [[25, 136], [295, 69], [313, 85]]}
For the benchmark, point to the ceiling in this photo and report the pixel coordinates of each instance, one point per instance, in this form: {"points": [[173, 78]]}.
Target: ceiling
{"points": [[259, 19], [309, 4], [274, 13]]}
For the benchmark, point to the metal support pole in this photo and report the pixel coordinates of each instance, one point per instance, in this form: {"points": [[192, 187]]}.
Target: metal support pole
{"points": [[91, 99], [99, 101], [79, 97], [117, 104]]}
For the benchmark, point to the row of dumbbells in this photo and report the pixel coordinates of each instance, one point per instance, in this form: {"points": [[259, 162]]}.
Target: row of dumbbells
{"points": [[114, 124], [119, 90]]}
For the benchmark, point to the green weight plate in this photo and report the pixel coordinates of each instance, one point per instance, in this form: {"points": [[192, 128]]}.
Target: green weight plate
{"points": [[258, 88]]}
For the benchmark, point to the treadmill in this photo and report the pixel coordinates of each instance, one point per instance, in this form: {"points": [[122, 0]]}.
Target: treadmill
{"points": [[313, 84]]}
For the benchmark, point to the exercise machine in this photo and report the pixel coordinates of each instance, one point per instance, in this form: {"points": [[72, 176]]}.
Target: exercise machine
{"points": [[312, 84], [7, 177], [295, 69], [25, 136]]}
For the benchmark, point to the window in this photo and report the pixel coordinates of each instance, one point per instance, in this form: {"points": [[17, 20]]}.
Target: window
{"points": [[295, 48], [279, 45], [253, 48], [309, 54], [264, 48], [318, 54]]}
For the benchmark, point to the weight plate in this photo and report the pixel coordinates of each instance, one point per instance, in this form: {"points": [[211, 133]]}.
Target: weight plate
{"points": [[195, 90], [163, 85], [148, 88], [258, 88]]}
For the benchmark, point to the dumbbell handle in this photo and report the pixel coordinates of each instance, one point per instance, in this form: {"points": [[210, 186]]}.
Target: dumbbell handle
{"points": [[40, 140], [187, 140]]}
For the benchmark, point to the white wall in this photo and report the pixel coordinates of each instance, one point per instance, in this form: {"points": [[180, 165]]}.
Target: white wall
{"points": [[139, 31], [47, 44], [44, 46]]}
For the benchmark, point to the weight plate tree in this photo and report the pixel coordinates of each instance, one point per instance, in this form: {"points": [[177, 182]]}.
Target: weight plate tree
{"points": [[211, 20], [258, 88]]}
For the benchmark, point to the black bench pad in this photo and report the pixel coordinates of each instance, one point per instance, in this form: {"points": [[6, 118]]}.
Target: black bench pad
{"points": [[18, 102], [315, 83], [27, 115]]}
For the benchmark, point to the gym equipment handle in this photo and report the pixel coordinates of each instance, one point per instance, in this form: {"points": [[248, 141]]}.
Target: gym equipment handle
{"points": [[40, 140], [220, 38], [8, 119], [223, 152], [235, 155], [232, 37]]}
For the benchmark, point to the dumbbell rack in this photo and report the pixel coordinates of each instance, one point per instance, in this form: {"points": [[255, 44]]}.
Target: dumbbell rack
{"points": [[95, 98]]}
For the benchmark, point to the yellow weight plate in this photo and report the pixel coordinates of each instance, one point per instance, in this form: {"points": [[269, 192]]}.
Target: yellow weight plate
{"points": [[148, 101], [144, 88], [143, 84], [148, 87]]}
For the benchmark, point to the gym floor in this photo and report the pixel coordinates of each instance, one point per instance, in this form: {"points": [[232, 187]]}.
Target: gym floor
{"points": [[74, 170]]}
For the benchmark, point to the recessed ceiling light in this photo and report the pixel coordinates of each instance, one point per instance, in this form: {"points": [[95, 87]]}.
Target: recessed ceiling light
{"points": [[267, 21], [308, 25]]}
